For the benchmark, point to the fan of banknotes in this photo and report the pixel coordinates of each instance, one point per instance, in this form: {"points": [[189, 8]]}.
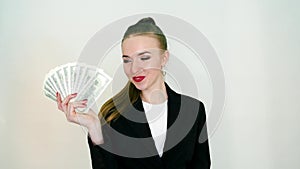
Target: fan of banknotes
{"points": [[87, 81]]}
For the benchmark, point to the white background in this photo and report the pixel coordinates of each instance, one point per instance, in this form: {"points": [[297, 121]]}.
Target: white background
{"points": [[257, 43]]}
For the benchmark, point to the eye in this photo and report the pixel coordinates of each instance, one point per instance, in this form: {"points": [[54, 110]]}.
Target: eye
{"points": [[145, 57], [126, 60]]}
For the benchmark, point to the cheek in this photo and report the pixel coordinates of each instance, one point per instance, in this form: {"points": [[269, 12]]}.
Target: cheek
{"points": [[126, 70], [154, 64], [154, 73]]}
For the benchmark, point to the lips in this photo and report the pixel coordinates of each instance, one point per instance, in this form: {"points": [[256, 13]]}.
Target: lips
{"points": [[138, 78]]}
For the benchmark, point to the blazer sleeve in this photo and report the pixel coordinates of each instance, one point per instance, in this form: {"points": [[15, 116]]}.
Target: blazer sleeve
{"points": [[101, 159], [201, 156]]}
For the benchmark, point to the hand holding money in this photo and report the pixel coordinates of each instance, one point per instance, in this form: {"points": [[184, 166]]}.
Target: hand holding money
{"points": [[76, 87], [89, 120]]}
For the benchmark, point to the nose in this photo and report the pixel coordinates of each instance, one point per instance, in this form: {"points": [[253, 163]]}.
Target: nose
{"points": [[135, 68]]}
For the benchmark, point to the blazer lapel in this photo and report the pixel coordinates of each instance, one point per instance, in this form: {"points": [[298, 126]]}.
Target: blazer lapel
{"points": [[174, 102], [173, 106], [140, 127]]}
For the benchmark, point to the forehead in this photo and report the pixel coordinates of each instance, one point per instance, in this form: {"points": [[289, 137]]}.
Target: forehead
{"points": [[138, 43]]}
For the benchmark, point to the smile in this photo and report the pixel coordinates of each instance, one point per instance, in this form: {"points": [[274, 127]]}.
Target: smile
{"points": [[138, 78]]}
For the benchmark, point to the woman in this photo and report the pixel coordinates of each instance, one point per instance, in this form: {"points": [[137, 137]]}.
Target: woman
{"points": [[145, 108]]}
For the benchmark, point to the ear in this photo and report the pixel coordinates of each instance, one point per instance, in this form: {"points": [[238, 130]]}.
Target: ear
{"points": [[165, 58]]}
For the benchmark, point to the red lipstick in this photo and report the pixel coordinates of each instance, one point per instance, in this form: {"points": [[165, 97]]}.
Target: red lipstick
{"points": [[138, 78]]}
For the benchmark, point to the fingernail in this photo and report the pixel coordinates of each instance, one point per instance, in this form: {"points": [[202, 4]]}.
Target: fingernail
{"points": [[74, 94]]}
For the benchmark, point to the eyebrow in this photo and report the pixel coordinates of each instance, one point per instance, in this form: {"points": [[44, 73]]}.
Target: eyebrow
{"points": [[144, 52], [141, 53]]}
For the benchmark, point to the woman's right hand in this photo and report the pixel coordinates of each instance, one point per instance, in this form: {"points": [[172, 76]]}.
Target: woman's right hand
{"points": [[90, 120]]}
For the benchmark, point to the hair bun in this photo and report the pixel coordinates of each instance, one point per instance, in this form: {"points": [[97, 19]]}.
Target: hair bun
{"points": [[147, 20], [146, 26]]}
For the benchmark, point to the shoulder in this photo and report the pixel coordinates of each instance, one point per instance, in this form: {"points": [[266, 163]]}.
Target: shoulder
{"points": [[192, 105], [184, 100], [185, 107]]}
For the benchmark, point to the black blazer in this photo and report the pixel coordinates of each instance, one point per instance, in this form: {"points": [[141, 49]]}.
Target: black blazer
{"points": [[182, 149]]}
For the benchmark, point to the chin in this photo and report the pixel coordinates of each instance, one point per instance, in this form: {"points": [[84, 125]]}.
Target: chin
{"points": [[141, 86]]}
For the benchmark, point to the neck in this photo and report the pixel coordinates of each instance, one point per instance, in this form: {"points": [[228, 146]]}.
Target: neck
{"points": [[156, 95]]}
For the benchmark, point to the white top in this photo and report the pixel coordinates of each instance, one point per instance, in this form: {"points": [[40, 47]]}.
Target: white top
{"points": [[157, 117]]}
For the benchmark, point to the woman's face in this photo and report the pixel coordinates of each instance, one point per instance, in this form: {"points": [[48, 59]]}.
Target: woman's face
{"points": [[143, 60]]}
